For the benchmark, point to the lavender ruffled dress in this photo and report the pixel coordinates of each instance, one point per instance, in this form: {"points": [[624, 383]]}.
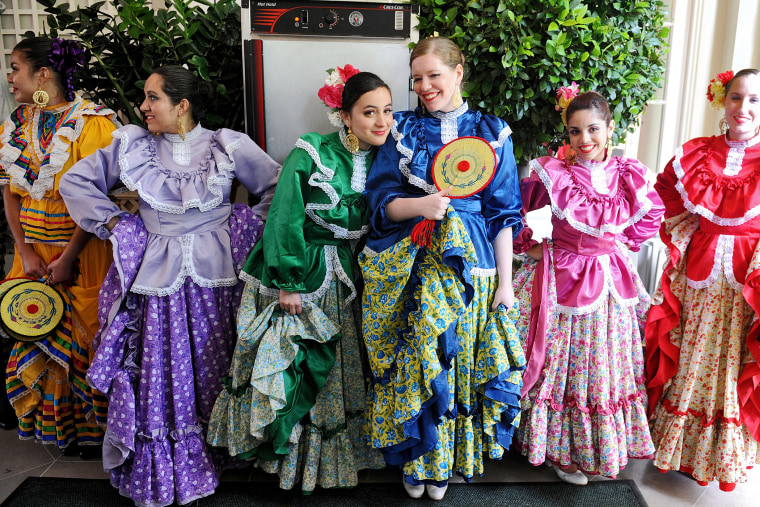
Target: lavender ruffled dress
{"points": [[168, 305]]}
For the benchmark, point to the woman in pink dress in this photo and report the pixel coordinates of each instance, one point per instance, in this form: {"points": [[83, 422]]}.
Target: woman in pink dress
{"points": [[582, 303], [703, 377]]}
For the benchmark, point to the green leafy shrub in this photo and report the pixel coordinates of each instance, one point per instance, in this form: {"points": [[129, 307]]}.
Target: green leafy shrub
{"points": [[520, 51], [203, 34]]}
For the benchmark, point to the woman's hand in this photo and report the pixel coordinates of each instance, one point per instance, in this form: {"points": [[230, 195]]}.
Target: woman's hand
{"points": [[59, 270], [290, 302], [536, 252], [504, 295], [433, 206], [33, 264]]}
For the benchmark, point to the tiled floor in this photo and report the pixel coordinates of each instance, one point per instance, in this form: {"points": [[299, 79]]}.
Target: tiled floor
{"points": [[22, 459]]}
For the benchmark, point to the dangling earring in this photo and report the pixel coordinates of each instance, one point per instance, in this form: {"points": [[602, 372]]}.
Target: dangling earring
{"points": [[40, 97], [723, 125], [351, 142], [180, 128], [458, 101]]}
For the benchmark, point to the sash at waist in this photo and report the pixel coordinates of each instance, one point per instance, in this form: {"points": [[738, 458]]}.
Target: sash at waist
{"points": [[585, 245], [192, 221], [468, 205]]}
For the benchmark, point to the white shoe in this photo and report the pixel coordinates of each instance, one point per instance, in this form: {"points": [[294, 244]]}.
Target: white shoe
{"points": [[413, 491], [436, 493], [577, 477]]}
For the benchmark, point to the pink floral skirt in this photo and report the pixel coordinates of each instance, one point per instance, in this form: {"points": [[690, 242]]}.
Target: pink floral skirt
{"points": [[588, 406]]}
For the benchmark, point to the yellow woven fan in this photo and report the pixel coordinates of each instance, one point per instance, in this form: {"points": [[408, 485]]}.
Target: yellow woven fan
{"points": [[30, 310]]}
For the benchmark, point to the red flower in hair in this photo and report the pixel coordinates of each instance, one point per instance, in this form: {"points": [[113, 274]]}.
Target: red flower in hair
{"points": [[347, 71], [331, 95], [725, 77]]}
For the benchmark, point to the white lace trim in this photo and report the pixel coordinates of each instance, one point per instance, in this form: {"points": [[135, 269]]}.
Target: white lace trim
{"points": [[608, 290], [58, 148], [187, 269], [503, 136], [449, 123], [723, 261], [405, 158], [598, 175], [566, 214], [333, 267], [215, 184], [181, 147], [736, 154], [701, 210], [359, 161], [321, 179]]}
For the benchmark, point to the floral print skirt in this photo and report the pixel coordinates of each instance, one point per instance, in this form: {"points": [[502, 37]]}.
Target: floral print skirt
{"points": [[697, 424], [588, 406], [326, 447]]}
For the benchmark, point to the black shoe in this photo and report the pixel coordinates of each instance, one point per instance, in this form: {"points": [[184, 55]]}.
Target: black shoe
{"points": [[70, 450], [88, 452], [10, 424]]}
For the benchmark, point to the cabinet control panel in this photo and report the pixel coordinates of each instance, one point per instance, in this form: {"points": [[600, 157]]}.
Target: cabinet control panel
{"points": [[338, 19]]}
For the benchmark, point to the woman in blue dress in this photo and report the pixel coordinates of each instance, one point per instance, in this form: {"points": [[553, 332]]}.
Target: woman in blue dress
{"points": [[438, 320]]}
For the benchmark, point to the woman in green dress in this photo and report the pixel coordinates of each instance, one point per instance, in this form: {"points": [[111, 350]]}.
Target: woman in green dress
{"points": [[295, 397]]}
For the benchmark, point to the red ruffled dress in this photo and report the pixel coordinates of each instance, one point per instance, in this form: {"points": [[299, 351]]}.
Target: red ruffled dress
{"points": [[702, 334]]}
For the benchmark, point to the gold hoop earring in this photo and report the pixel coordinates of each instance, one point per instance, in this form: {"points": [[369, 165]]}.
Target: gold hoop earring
{"points": [[458, 100], [180, 128], [351, 142], [40, 97], [723, 125]]}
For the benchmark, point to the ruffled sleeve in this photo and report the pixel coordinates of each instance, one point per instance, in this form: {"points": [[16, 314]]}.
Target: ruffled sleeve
{"points": [[284, 244], [387, 179], [255, 170], [501, 198], [84, 187], [648, 209]]}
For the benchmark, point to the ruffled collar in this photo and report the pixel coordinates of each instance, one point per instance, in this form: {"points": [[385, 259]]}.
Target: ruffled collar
{"points": [[597, 172], [449, 122], [181, 153], [46, 134]]}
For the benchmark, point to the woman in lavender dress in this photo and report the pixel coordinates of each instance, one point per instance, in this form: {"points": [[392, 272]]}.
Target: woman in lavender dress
{"points": [[167, 307]]}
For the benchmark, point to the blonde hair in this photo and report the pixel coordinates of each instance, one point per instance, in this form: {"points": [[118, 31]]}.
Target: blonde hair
{"points": [[445, 49]]}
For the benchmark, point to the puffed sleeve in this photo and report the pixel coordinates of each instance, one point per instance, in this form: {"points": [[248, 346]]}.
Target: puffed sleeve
{"points": [[501, 199], [283, 240], [84, 189], [257, 172], [386, 182], [651, 209], [534, 196]]}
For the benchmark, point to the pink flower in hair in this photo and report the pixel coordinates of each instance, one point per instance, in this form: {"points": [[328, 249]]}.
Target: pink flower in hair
{"points": [[332, 95], [347, 72], [565, 95]]}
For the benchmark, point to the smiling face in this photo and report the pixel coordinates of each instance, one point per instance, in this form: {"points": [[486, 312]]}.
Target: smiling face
{"points": [[743, 108], [435, 82], [23, 81], [160, 114], [371, 117], [589, 134]]}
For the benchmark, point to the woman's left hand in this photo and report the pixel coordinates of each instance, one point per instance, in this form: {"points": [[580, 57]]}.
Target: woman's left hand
{"points": [[59, 271], [504, 295]]}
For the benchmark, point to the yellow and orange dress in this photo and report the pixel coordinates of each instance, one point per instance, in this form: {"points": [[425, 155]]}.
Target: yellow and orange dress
{"points": [[45, 380]]}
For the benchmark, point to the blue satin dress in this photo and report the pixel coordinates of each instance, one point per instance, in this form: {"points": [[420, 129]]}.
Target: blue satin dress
{"points": [[446, 370]]}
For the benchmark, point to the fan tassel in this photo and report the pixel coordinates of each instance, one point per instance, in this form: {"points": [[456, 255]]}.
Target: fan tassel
{"points": [[422, 233]]}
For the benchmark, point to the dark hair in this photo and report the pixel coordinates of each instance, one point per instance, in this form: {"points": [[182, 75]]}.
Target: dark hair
{"points": [[36, 52], [359, 84], [179, 83], [741, 73], [590, 100]]}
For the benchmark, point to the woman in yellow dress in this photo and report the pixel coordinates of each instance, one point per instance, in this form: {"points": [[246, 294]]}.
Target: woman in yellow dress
{"points": [[47, 133]]}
